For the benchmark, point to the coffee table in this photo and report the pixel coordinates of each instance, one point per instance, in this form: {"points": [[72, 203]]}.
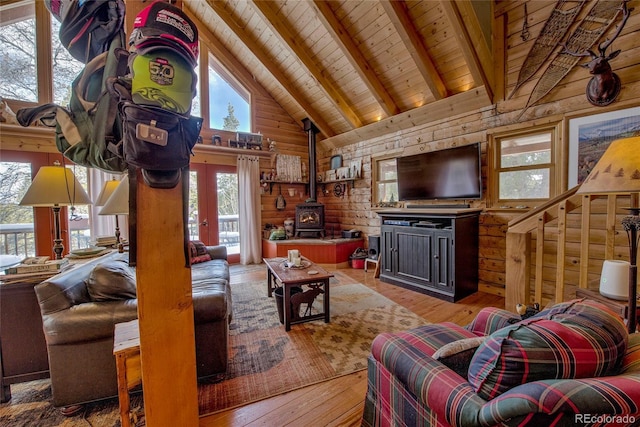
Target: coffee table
{"points": [[309, 274]]}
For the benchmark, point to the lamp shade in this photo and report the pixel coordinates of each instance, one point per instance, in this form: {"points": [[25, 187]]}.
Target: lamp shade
{"points": [[118, 202], [55, 186], [617, 171], [106, 192], [614, 280]]}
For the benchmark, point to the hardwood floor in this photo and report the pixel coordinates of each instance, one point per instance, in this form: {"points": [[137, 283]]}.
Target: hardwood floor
{"points": [[339, 402]]}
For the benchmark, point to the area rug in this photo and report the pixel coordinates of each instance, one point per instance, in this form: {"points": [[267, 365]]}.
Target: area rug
{"points": [[264, 359]]}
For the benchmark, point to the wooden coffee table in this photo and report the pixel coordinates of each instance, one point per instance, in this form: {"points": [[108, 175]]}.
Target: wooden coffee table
{"points": [[309, 274]]}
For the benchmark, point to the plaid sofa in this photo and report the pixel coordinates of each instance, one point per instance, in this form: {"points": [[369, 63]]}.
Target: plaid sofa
{"points": [[412, 382]]}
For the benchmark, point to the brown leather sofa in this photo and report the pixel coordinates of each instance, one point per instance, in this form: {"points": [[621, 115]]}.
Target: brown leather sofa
{"points": [[81, 307]]}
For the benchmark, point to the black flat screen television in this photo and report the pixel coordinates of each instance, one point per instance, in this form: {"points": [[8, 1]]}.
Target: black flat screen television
{"points": [[452, 173]]}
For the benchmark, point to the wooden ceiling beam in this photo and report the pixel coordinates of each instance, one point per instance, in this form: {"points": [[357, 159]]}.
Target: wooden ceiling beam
{"points": [[355, 57], [453, 10], [444, 109], [399, 16], [281, 29], [270, 64]]}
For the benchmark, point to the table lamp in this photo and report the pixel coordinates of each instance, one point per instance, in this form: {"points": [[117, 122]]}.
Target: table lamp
{"points": [[106, 192], [55, 186], [618, 171], [117, 204], [614, 279]]}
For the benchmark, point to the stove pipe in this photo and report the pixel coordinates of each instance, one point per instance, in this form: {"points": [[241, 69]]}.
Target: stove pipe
{"points": [[311, 130]]}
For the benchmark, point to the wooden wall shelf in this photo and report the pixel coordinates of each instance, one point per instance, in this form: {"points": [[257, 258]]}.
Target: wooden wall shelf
{"points": [[230, 151], [272, 182], [350, 181]]}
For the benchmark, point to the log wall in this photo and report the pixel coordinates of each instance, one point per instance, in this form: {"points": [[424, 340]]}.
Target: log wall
{"points": [[567, 100], [356, 209]]}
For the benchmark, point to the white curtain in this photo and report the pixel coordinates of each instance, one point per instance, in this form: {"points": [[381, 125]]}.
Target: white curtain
{"points": [[103, 225], [249, 209]]}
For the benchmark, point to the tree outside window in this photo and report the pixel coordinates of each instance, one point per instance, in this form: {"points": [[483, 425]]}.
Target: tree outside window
{"points": [[16, 222], [386, 188], [523, 173], [230, 121], [19, 58], [229, 107]]}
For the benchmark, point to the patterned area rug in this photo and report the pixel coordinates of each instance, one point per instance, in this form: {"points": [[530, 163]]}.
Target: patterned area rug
{"points": [[265, 360]]}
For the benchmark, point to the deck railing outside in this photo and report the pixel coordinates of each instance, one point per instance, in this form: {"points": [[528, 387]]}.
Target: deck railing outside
{"points": [[17, 239], [228, 231]]}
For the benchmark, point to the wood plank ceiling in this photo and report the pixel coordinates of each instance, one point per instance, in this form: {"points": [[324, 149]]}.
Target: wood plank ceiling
{"points": [[349, 65]]}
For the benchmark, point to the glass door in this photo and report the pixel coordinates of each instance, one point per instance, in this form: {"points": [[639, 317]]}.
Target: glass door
{"points": [[24, 230], [17, 235], [213, 207]]}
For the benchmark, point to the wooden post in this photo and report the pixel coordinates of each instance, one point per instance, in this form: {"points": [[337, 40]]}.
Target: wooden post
{"points": [[517, 285], [165, 306], [165, 309]]}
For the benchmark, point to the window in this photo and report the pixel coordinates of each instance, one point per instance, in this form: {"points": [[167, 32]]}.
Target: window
{"points": [[16, 222], [386, 185], [78, 216], [523, 173], [229, 107], [65, 68], [23, 60], [18, 53]]}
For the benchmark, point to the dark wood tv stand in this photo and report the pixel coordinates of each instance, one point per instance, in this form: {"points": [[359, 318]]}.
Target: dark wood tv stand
{"points": [[433, 251]]}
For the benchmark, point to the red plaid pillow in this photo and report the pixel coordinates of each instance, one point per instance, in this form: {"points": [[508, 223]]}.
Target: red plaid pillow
{"points": [[576, 339], [198, 252]]}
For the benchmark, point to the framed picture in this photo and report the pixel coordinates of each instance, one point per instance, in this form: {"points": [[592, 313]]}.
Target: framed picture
{"points": [[590, 136], [335, 162], [249, 140]]}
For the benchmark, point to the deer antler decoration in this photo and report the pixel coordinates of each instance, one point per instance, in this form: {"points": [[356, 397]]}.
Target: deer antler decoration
{"points": [[603, 88]]}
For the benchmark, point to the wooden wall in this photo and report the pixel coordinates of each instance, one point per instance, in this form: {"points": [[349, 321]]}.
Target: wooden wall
{"points": [[356, 208], [565, 101]]}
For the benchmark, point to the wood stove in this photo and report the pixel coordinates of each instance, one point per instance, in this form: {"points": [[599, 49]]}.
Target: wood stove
{"points": [[310, 218], [310, 215]]}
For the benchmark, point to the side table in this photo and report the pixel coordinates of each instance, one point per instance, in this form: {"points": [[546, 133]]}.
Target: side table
{"points": [[126, 349], [23, 350], [619, 306]]}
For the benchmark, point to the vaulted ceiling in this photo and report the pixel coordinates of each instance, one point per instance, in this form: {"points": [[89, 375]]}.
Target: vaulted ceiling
{"points": [[353, 66]]}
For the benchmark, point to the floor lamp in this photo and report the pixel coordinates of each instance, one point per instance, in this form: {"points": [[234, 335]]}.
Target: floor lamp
{"points": [[106, 192], [55, 186], [118, 204], [618, 171]]}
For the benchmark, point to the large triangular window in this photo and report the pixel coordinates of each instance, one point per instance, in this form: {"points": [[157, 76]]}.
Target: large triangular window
{"points": [[229, 101]]}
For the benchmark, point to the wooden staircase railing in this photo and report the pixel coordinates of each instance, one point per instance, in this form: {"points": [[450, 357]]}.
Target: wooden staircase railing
{"points": [[561, 245]]}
